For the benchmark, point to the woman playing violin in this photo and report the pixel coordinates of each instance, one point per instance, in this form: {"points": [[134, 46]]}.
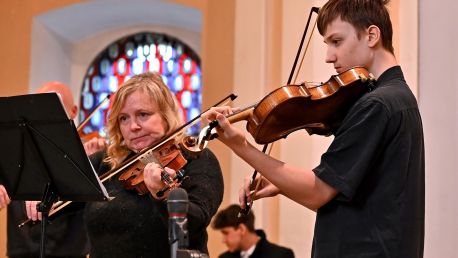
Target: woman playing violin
{"points": [[132, 225], [368, 190]]}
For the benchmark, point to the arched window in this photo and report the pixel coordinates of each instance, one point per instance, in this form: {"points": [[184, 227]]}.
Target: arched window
{"points": [[135, 54]]}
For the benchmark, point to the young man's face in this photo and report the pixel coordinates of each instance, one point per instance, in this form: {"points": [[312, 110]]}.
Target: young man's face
{"points": [[232, 237], [344, 49]]}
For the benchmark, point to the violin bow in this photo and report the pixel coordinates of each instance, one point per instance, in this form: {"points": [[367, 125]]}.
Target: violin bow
{"points": [[290, 78], [249, 204], [84, 122]]}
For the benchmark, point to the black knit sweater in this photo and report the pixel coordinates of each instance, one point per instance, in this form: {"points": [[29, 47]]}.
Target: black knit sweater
{"points": [[137, 226]]}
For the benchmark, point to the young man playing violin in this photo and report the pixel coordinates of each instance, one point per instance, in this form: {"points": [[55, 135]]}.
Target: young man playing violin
{"points": [[368, 190]]}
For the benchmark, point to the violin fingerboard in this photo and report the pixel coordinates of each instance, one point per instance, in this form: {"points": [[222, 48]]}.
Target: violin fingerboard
{"points": [[148, 157]]}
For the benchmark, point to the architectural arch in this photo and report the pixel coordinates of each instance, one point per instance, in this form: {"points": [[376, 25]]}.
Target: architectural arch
{"points": [[64, 41]]}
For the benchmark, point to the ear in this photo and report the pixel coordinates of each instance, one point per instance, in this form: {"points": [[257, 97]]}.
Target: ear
{"points": [[73, 112], [242, 227], [373, 36]]}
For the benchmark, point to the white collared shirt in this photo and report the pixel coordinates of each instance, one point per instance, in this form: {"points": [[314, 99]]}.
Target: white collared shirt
{"points": [[247, 253]]}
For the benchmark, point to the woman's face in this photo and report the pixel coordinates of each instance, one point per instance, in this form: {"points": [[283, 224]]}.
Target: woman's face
{"points": [[140, 123]]}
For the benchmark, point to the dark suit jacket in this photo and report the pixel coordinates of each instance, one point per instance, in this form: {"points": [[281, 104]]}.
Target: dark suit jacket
{"points": [[263, 249]]}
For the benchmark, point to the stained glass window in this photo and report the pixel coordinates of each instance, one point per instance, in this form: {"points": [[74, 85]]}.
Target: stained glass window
{"points": [[142, 52]]}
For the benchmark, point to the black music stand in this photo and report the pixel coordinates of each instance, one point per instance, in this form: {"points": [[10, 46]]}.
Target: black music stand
{"points": [[42, 157]]}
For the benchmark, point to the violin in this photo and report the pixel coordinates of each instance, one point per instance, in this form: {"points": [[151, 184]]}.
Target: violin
{"points": [[169, 153], [316, 108]]}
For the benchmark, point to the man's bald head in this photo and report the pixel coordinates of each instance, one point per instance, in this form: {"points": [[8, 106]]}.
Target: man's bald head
{"points": [[64, 93]]}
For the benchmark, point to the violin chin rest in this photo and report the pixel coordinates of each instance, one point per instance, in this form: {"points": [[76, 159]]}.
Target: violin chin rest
{"points": [[318, 129]]}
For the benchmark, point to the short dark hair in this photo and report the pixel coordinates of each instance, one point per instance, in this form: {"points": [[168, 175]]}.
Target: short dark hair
{"points": [[361, 14], [228, 218]]}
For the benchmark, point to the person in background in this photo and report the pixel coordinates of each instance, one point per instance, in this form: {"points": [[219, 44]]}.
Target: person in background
{"points": [[66, 234], [369, 189], [143, 112], [242, 239]]}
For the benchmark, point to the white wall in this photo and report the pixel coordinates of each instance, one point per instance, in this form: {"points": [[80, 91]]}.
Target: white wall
{"points": [[438, 95]]}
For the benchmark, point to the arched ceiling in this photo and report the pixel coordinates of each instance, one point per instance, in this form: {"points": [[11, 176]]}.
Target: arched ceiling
{"points": [[79, 21]]}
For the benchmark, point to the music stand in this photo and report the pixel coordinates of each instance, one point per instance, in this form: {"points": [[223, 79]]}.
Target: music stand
{"points": [[42, 157]]}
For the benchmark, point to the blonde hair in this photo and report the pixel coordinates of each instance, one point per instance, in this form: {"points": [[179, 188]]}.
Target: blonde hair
{"points": [[153, 85]]}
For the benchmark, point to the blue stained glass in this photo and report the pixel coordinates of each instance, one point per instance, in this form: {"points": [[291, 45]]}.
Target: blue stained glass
{"points": [[87, 129], [168, 53], [178, 83], [113, 51], [193, 112], [164, 68], [179, 65], [129, 49], [179, 49], [170, 66], [187, 65], [165, 79], [101, 98], [102, 132], [126, 78], [155, 65], [86, 85], [152, 50], [122, 66], [139, 51], [81, 115], [145, 50], [137, 66], [104, 85], [161, 48], [113, 83], [88, 101], [186, 99], [96, 118], [96, 85], [90, 71], [105, 66], [195, 81]]}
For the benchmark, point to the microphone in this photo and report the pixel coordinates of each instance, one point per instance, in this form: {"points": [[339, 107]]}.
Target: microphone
{"points": [[177, 207]]}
